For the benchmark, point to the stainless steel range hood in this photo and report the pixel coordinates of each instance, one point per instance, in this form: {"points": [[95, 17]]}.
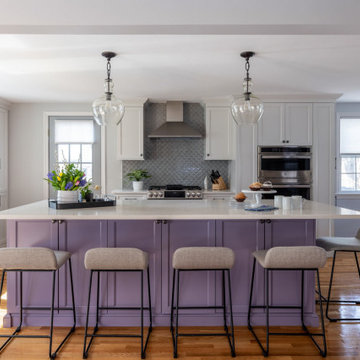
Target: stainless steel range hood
{"points": [[174, 126]]}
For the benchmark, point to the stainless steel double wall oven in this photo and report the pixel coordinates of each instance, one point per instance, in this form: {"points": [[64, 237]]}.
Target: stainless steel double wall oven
{"points": [[289, 168]]}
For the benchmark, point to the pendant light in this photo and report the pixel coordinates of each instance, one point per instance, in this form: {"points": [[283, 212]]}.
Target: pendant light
{"points": [[108, 108], [247, 109]]}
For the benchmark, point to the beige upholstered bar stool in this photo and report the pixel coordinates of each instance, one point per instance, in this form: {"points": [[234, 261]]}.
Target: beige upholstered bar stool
{"points": [[202, 259], [124, 260], [37, 260], [340, 244], [297, 258]]}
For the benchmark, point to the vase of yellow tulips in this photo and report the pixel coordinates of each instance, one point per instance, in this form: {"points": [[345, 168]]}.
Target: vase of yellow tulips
{"points": [[67, 182]]}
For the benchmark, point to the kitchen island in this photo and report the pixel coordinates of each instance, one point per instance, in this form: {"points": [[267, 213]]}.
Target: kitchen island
{"points": [[160, 227]]}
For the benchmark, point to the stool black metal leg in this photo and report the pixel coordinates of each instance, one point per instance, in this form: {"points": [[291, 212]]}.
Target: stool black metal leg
{"points": [[97, 302], [149, 296], [2, 283], [324, 351], [142, 314], [86, 350], [251, 294], [232, 342], [72, 294], [266, 352], [177, 313], [51, 355], [224, 299], [357, 263], [172, 304]]}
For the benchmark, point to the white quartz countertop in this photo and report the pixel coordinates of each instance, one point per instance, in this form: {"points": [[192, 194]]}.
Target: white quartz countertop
{"points": [[175, 209]]}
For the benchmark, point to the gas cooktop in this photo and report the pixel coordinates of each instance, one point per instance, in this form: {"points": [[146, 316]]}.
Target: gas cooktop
{"points": [[175, 192]]}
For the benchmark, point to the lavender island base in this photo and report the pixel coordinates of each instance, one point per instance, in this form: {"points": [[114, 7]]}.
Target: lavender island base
{"points": [[160, 239]]}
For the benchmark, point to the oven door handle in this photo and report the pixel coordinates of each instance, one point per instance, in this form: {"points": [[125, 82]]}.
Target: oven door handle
{"points": [[291, 186], [285, 157]]}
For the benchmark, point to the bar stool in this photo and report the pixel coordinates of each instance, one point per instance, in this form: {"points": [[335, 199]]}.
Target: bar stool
{"points": [[37, 259], [297, 258], [202, 259], [117, 260], [340, 244]]}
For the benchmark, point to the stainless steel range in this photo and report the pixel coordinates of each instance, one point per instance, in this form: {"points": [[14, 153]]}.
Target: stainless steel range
{"points": [[175, 192]]}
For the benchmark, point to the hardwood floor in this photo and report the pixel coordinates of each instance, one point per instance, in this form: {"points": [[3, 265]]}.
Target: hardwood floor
{"points": [[343, 338]]}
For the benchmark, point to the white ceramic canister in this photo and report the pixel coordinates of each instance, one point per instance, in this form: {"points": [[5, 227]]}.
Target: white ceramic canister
{"points": [[286, 203], [67, 196], [278, 199]]}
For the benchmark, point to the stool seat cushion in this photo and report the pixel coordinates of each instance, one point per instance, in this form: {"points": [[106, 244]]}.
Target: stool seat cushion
{"points": [[291, 257], [203, 258], [33, 258], [339, 243], [116, 259]]}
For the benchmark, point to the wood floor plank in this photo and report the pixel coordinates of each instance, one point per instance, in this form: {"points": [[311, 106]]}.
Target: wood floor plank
{"points": [[343, 338]]}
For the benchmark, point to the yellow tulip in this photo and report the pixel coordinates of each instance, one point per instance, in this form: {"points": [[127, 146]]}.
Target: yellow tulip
{"points": [[59, 178], [61, 174]]}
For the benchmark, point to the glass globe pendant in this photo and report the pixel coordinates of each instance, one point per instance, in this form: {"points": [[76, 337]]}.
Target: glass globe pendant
{"points": [[247, 109], [108, 108]]}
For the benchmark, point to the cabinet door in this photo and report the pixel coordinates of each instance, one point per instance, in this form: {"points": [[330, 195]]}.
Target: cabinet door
{"points": [[298, 124], [286, 285], [271, 125], [196, 288], [243, 237], [220, 132], [124, 287], [37, 285], [3, 149], [77, 237], [130, 144]]}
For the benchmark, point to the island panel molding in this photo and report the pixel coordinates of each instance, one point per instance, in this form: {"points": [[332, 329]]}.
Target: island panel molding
{"points": [[160, 239]]}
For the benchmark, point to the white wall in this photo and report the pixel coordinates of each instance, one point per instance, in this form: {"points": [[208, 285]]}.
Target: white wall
{"points": [[26, 150]]}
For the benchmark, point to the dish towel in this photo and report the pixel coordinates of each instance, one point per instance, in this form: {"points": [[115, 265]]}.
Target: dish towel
{"points": [[262, 208]]}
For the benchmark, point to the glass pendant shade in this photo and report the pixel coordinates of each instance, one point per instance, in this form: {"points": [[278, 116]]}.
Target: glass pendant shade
{"points": [[247, 109], [108, 110]]}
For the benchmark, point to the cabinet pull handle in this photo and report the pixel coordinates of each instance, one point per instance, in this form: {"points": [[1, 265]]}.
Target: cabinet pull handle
{"points": [[61, 221], [53, 221], [262, 221], [268, 221], [158, 221], [164, 222]]}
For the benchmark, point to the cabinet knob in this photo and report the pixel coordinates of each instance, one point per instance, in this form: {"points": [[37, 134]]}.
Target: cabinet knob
{"points": [[207, 154], [268, 221], [287, 141], [262, 221], [53, 221], [164, 222], [158, 221], [141, 155]]}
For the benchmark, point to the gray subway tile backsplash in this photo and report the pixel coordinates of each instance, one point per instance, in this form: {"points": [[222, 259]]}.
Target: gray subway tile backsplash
{"points": [[171, 160]]}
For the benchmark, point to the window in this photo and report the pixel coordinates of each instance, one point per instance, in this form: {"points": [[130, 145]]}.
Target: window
{"points": [[349, 153], [75, 140]]}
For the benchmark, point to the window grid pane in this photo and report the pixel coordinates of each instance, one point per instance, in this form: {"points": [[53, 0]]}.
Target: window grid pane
{"points": [[350, 173]]}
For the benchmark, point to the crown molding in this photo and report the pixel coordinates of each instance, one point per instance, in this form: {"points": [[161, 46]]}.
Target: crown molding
{"points": [[5, 104]]}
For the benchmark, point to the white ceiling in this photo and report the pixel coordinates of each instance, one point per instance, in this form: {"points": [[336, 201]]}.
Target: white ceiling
{"points": [[183, 50]]}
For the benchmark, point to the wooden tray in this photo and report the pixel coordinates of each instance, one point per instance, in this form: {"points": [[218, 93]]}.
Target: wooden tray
{"points": [[81, 205]]}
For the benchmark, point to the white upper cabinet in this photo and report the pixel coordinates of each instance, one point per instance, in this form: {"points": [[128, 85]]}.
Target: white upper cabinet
{"points": [[286, 124], [220, 134], [271, 125], [298, 124], [130, 142]]}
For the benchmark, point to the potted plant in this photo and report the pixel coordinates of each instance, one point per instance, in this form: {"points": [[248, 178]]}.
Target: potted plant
{"points": [[87, 192], [67, 182], [136, 177]]}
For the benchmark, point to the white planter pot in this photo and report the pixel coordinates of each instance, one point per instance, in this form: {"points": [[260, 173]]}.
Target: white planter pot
{"points": [[138, 185], [64, 196]]}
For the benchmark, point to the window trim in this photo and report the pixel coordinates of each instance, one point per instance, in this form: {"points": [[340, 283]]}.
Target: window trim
{"points": [[46, 133], [342, 115]]}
